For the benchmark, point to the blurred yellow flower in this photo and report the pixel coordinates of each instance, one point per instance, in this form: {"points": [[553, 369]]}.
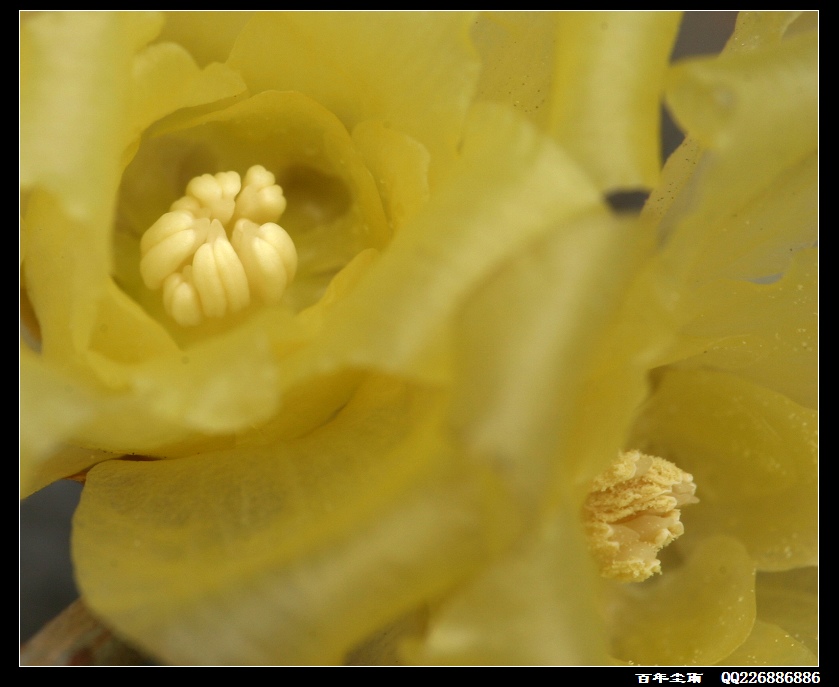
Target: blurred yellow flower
{"points": [[389, 464]]}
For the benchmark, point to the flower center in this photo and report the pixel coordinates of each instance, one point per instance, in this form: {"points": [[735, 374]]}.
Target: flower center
{"points": [[219, 246], [632, 512]]}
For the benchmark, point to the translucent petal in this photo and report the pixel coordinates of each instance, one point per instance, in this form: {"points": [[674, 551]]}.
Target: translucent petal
{"points": [[527, 347], [207, 35], [696, 614], [68, 424], [125, 334], [767, 333], [501, 195], [65, 272], [46, 418], [535, 606], [166, 78], [288, 553], [769, 645], [790, 600], [756, 240], [400, 167], [758, 29], [608, 80], [517, 60], [734, 106], [752, 452], [416, 72], [224, 384]]}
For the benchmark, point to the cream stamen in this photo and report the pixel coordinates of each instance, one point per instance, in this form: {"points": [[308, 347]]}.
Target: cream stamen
{"points": [[189, 252]]}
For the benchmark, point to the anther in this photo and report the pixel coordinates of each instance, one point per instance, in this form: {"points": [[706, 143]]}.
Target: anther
{"points": [[188, 251], [632, 512]]}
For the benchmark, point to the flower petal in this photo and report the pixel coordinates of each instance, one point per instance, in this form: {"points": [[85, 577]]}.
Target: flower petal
{"points": [[417, 72], [166, 79], [208, 36], [517, 53], [400, 167], [752, 452], [290, 553], [499, 197], [767, 333], [608, 63], [735, 106], [527, 346], [696, 614], [78, 64], [790, 600], [769, 645], [534, 606]]}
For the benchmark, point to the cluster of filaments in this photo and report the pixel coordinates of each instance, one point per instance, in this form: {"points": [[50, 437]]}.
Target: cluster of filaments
{"points": [[219, 247], [632, 512]]}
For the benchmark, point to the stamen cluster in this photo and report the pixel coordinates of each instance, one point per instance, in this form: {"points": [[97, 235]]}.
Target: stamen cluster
{"points": [[219, 246]]}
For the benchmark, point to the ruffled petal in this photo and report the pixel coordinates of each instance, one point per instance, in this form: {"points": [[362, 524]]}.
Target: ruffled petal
{"points": [[208, 36], [528, 352], [769, 645], [734, 106], [287, 553], [501, 195], [416, 72], [696, 614], [535, 606], [767, 333], [790, 600], [608, 63], [517, 60], [753, 455]]}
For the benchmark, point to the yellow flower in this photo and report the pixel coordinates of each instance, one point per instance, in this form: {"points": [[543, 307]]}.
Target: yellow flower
{"points": [[388, 460]]}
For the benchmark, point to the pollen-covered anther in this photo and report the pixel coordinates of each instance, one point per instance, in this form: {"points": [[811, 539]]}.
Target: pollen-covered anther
{"points": [[632, 512], [189, 253]]}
